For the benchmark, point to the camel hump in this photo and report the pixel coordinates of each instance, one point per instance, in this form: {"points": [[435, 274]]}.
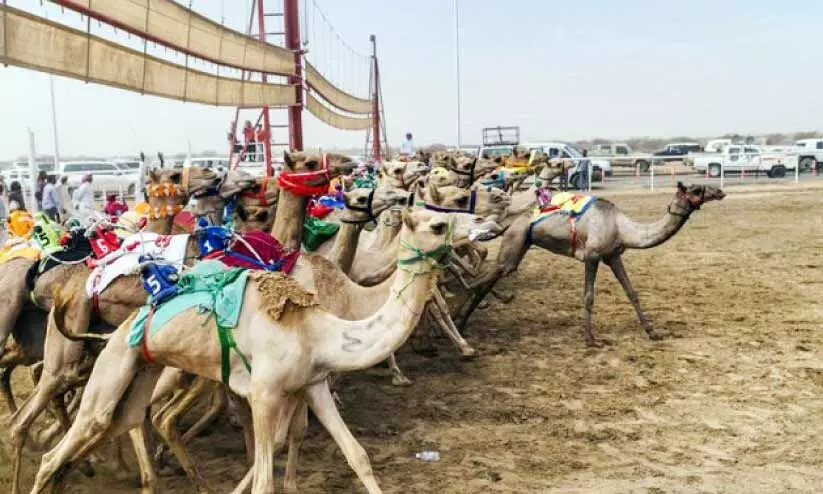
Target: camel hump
{"points": [[278, 293]]}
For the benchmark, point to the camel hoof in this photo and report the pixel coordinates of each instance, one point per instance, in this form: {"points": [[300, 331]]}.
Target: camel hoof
{"points": [[483, 305], [654, 335], [594, 343], [400, 381], [506, 298], [160, 456], [468, 353]]}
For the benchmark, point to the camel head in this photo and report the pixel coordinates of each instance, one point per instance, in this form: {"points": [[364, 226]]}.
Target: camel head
{"points": [[402, 174], [318, 168], [251, 217], [428, 231], [365, 204], [234, 182], [193, 181], [697, 195], [483, 201]]}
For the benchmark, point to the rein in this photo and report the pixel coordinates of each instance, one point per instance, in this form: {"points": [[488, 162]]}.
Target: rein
{"points": [[437, 257], [368, 210], [470, 210], [690, 207], [296, 182]]}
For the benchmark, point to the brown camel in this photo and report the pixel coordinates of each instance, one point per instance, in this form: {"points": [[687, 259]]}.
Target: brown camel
{"points": [[601, 235], [291, 344]]}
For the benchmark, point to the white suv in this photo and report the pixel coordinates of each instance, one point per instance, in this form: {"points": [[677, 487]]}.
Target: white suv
{"points": [[107, 176], [811, 153]]}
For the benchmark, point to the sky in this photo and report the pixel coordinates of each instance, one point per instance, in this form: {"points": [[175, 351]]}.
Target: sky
{"points": [[559, 70]]}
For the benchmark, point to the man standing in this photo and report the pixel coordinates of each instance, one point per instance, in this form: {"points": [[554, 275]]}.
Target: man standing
{"points": [[65, 197], [248, 140], [51, 199], [407, 149], [83, 198]]}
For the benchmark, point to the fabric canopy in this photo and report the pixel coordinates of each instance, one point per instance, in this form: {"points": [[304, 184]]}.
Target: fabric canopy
{"points": [[334, 119], [179, 28], [32, 42], [335, 96]]}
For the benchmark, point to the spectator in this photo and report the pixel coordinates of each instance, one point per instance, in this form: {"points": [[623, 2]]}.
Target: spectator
{"points": [[65, 197], [115, 208], [16, 196], [407, 149], [38, 192], [83, 198], [248, 140], [4, 206], [51, 199]]}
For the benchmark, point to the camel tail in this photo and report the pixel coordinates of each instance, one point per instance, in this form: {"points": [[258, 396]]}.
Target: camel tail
{"points": [[57, 317]]}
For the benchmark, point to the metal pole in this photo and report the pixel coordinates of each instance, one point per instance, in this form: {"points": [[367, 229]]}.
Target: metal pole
{"points": [[457, 64], [32, 174], [797, 172], [291, 17], [54, 126], [376, 151], [651, 176], [266, 141]]}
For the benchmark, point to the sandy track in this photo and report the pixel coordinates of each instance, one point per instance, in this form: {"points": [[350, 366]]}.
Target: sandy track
{"points": [[729, 402]]}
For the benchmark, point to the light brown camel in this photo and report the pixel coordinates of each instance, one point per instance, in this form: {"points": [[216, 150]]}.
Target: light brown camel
{"points": [[601, 235], [292, 346], [402, 174], [66, 363]]}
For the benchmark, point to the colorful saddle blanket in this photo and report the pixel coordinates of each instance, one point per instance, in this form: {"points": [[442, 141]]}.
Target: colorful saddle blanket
{"points": [[210, 287], [75, 249], [316, 231], [574, 205], [251, 250], [170, 248], [17, 247]]}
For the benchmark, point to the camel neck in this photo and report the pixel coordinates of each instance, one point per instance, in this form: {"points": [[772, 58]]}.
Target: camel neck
{"points": [[388, 229], [351, 345], [345, 245], [636, 235], [288, 223]]}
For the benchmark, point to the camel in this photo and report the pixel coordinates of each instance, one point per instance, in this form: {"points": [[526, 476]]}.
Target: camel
{"points": [[402, 174], [292, 346], [66, 363], [603, 234]]}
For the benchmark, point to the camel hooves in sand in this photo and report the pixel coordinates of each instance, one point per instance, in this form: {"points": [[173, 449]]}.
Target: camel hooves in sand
{"points": [[400, 380]]}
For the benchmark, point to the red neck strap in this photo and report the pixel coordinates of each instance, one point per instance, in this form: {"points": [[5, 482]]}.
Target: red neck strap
{"points": [[296, 182]]}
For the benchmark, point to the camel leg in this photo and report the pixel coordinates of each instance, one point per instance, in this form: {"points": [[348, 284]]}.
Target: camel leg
{"points": [[166, 426], [148, 477], [266, 412], [219, 400], [5, 387], [297, 432], [243, 413], [441, 314], [398, 379], [616, 263], [115, 378], [322, 403], [588, 300]]}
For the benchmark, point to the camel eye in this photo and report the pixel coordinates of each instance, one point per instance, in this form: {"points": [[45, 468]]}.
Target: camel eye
{"points": [[438, 228], [462, 201], [361, 200], [311, 164]]}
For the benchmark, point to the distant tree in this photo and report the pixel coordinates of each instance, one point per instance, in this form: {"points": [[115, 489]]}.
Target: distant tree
{"points": [[809, 134]]}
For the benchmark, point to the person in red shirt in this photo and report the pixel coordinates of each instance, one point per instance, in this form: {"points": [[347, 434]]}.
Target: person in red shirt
{"points": [[261, 136], [248, 140], [114, 208]]}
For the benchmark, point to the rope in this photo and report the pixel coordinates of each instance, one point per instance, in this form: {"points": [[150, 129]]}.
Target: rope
{"points": [[437, 258]]}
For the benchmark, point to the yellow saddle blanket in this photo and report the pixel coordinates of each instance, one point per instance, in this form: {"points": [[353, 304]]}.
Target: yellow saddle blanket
{"points": [[575, 205], [16, 248]]}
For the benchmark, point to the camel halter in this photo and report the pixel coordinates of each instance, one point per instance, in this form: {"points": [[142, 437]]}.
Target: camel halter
{"points": [[368, 210], [690, 206], [170, 192], [470, 210], [436, 257], [295, 182]]}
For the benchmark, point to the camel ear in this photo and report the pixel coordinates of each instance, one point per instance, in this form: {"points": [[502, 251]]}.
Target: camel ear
{"points": [[242, 213], [450, 162], [434, 194], [681, 187], [408, 220], [287, 159]]}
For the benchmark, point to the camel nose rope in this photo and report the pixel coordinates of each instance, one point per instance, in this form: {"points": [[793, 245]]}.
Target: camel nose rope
{"points": [[436, 257]]}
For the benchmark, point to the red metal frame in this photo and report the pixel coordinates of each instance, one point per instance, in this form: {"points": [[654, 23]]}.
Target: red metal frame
{"points": [[261, 25], [291, 20]]}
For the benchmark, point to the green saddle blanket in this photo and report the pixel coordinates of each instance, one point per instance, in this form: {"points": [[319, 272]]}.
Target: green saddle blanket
{"points": [[209, 286], [315, 232]]}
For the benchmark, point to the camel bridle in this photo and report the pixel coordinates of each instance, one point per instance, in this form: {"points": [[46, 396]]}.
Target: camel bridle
{"points": [[367, 209]]}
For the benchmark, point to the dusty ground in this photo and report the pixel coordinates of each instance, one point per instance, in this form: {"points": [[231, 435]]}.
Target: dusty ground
{"points": [[729, 402]]}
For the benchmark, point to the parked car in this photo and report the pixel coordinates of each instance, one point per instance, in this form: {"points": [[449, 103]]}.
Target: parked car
{"points": [[810, 154], [619, 154], [20, 170], [559, 149], [108, 175], [676, 151], [211, 162], [737, 158]]}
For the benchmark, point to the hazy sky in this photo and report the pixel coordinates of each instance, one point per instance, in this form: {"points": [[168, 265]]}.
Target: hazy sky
{"points": [[560, 70]]}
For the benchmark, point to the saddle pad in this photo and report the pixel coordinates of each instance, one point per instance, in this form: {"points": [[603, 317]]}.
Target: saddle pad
{"points": [[19, 248], [209, 286], [315, 232], [574, 205], [171, 248], [257, 250]]}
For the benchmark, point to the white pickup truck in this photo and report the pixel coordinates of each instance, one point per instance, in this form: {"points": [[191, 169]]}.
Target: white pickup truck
{"points": [[810, 153], [772, 161]]}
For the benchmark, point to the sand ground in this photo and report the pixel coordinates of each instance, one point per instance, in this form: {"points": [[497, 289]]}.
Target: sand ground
{"points": [[729, 402]]}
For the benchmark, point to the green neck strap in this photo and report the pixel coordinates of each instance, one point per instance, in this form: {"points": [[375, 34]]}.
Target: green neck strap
{"points": [[421, 255]]}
